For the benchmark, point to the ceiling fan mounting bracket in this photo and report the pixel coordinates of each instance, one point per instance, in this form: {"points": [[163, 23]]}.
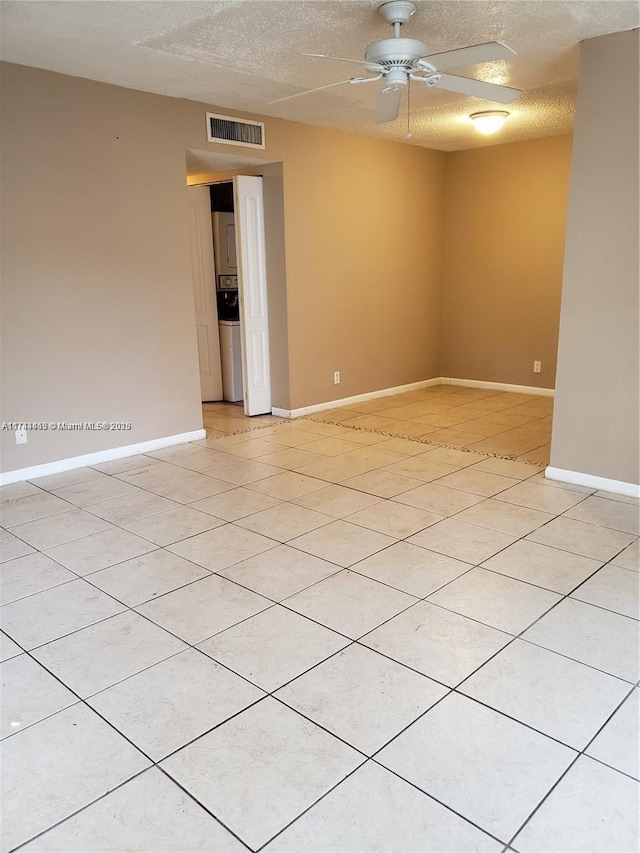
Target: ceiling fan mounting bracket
{"points": [[397, 11]]}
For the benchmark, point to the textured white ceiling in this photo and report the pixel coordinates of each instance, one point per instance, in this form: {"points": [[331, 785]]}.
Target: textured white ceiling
{"points": [[241, 54]]}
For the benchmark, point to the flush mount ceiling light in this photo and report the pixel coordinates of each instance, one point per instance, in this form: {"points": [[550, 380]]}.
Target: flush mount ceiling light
{"points": [[490, 121]]}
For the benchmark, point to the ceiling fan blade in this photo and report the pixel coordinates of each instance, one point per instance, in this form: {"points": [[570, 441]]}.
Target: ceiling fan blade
{"points": [[488, 52], [478, 89], [388, 106], [374, 65], [307, 92]]}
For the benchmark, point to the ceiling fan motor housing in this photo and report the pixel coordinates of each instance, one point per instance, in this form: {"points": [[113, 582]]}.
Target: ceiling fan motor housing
{"points": [[396, 51]]}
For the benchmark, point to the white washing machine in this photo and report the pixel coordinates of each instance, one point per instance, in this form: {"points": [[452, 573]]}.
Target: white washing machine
{"points": [[231, 356]]}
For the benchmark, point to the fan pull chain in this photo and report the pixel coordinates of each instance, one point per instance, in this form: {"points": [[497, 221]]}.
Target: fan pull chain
{"points": [[408, 133]]}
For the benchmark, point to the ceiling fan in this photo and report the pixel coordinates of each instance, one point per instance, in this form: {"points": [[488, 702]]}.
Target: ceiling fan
{"points": [[397, 61]]}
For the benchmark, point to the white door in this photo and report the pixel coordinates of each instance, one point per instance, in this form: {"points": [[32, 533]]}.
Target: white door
{"points": [[252, 289], [204, 292]]}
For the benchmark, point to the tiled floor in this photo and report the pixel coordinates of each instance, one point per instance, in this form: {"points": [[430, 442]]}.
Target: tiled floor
{"points": [[309, 637]]}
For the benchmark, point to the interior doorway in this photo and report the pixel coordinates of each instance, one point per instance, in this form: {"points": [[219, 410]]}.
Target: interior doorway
{"points": [[228, 251]]}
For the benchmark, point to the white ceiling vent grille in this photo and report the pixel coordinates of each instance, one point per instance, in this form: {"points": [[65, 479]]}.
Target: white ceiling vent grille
{"points": [[234, 131]]}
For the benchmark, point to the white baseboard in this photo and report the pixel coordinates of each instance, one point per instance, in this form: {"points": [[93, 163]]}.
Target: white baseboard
{"points": [[358, 398], [499, 386], [99, 457], [576, 478]]}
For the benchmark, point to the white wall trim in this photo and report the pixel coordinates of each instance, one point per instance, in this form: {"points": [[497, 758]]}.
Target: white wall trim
{"points": [[499, 386], [99, 457], [576, 478], [358, 398]]}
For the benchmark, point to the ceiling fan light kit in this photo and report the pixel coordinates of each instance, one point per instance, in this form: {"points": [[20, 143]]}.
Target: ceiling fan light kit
{"points": [[398, 61], [490, 121]]}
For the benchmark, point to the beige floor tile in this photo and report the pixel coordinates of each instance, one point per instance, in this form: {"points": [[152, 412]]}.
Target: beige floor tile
{"points": [[557, 696], [541, 455], [30, 574], [559, 571], [576, 817], [453, 750], [457, 437], [501, 602], [100, 655], [450, 417], [629, 558], [289, 458], [169, 704], [280, 572], [467, 542], [613, 588], [456, 458], [246, 471], [222, 547], [206, 460], [31, 508], [342, 543], [92, 491], [147, 577], [8, 649], [337, 501], [191, 488], [66, 478], [252, 448], [591, 635], [95, 552], [618, 744], [477, 482], [607, 513], [58, 766], [288, 485], [441, 644], [121, 466], [507, 518], [256, 787], [11, 547], [372, 422], [329, 446], [273, 647], [540, 496], [171, 526], [285, 521], [581, 538], [56, 612], [203, 608], [131, 507], [56, 530], [507, 468], [382, 483], [438, 499], [349, 603], [234, 504], [393, 519], [148, 813], [420, 468], [375, 810], [29, 694], [336, 469], [152, 474], [403, 446], [411, 569], [362, 697]]}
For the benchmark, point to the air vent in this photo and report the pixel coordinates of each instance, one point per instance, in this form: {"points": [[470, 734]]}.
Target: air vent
{"points": [[233, 131]]}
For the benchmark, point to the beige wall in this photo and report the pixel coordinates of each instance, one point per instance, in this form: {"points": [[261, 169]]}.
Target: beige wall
{"points": [[595, 429], [96, 286], [505, 215]]}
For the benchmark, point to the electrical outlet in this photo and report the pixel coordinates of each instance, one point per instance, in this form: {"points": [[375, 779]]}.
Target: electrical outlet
{"points": [[21, 436], [537, 366], [336, 377]]}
